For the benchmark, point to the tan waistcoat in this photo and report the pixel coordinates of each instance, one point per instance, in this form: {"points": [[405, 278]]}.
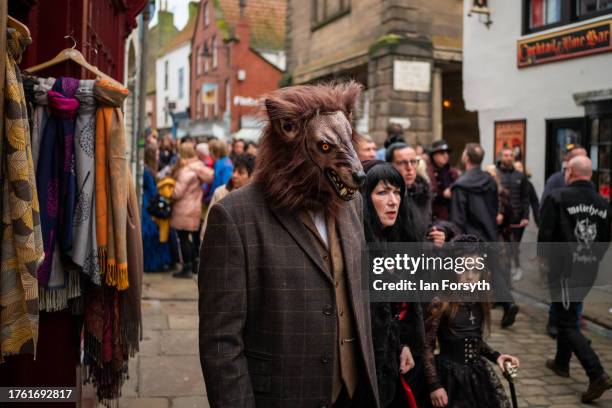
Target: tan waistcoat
{"points": [[345, 356]]}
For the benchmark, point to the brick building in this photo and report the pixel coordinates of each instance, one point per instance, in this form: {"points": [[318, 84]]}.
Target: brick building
{"points": [[237, 55], [407, 54]]}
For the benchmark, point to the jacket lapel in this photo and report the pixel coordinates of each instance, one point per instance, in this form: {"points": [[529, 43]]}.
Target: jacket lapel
{"points": [[298, 231]]}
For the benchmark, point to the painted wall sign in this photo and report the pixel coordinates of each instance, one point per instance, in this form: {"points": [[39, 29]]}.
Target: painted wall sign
{"points": [[511, 134], [209, 93], [413, 76], [571, 43]]}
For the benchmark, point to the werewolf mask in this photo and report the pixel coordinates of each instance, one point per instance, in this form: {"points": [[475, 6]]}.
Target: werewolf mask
{"points": [[306, 158]]}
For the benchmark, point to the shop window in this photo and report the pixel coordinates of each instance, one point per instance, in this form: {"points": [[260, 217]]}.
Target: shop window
{"points": [[586, 7], [544, 13], [326, 11], [541, 15], [198, 104]]}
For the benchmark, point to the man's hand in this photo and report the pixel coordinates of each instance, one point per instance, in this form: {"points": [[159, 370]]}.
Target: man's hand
{"points": [[406, 360], [447, 193], [436, 236], [439, 398], [524, 223], [499, 218]]}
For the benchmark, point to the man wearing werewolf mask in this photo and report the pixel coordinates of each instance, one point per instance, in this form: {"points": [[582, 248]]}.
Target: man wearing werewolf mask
{"points": [[283, 318]]}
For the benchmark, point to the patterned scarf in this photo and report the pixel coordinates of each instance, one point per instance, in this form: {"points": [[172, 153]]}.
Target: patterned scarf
{"points": [[22, 248], [85, 249], [111, 179], [40, 114], [56, 179]]}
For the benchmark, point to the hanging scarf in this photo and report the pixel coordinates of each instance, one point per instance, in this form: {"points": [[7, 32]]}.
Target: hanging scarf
{"points": [[131, 319], [22, 249], [40, 115], [85, 249], [111, 181], [55, 173]]}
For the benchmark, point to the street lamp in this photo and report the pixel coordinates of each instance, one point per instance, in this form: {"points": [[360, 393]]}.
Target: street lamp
{"points": [[481, 7]]}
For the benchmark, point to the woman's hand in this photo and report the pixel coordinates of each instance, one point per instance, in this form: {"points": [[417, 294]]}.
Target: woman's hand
{"points": [[436, 236], [439, 398], [506, 357], [500, 218], [406, 360]]}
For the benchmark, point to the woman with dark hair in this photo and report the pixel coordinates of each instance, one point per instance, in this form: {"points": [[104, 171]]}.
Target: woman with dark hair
{"points": [[459, 376], [397, 328]]}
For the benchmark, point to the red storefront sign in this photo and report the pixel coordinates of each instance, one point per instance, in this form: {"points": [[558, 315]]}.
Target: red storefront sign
{"points": [[571, 43]]}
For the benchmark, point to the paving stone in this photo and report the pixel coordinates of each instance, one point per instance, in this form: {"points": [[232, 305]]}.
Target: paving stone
{"points": [[190, 402], [143, 403], [183, 322], [155, 322], [538, 401], [180, 307], [130, 386], [150, 306], [170, 376], [179, 342], [150, 345]]}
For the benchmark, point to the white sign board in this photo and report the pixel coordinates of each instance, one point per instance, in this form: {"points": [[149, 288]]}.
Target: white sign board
{"points": [[403, 122], [413, 76]]}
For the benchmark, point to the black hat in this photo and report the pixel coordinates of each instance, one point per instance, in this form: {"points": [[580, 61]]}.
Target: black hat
{"points": [[439, 146]]}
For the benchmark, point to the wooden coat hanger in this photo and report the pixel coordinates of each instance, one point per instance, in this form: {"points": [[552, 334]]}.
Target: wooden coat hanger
{"points": [[19, 26], [72, 54]]}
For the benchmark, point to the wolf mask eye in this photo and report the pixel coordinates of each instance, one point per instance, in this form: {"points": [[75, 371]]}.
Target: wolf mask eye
{"points": [[325, 147]]}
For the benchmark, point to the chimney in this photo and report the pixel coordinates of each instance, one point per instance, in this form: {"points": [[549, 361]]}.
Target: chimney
{"points": [[243, 29]]}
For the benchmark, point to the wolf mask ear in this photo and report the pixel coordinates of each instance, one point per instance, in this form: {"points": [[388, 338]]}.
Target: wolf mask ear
{"points": [[282, 124]]}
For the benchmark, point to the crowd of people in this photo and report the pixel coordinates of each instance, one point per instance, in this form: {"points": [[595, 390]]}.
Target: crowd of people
{"points": [[181, 180], [264, 311]]}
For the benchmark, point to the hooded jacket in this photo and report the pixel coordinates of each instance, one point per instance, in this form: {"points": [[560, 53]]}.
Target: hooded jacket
{"points": [[474, 204]]}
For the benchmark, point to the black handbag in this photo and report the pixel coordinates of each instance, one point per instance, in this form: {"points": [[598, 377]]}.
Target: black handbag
{"points": [[160, 207]]}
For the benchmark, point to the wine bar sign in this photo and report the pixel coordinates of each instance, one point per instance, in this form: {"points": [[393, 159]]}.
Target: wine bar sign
{"points": [[571, 43]]}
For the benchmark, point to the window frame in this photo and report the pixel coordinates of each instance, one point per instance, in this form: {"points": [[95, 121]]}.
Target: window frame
{"points": [[215, 53], [206, 14], [181, 82], [569, 15], [166, 74], [315, 24]]}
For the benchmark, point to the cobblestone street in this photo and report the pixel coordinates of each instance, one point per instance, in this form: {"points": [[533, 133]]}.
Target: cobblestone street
{"points": [[167, 369]]}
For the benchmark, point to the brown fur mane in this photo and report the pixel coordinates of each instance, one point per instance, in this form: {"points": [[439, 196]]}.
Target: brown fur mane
{"points": [[289, 177]]}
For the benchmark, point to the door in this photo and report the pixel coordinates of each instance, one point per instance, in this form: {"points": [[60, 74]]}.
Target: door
{"points": [[601, 153], [560, 133]]}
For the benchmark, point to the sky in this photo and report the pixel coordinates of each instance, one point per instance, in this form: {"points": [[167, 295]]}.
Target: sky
{"points": [[178, 7]]}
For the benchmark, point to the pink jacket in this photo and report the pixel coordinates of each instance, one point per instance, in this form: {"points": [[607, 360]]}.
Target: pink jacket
{"points": [[187, 195]]}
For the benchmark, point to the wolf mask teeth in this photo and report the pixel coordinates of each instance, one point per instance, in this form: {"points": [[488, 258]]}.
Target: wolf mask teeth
{"points": [[344, 191]]}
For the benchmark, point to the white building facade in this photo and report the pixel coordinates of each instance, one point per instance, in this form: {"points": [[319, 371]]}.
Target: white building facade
{"points": [[540, 78], [172, 85]]}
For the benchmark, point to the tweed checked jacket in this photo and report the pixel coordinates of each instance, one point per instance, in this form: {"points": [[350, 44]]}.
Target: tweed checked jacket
{"points": [[268, 323]]}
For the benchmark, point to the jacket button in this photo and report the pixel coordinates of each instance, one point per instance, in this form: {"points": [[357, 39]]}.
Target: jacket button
{"points": [[328, 310], [325, 359], [323, 404], [325, 258]]}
